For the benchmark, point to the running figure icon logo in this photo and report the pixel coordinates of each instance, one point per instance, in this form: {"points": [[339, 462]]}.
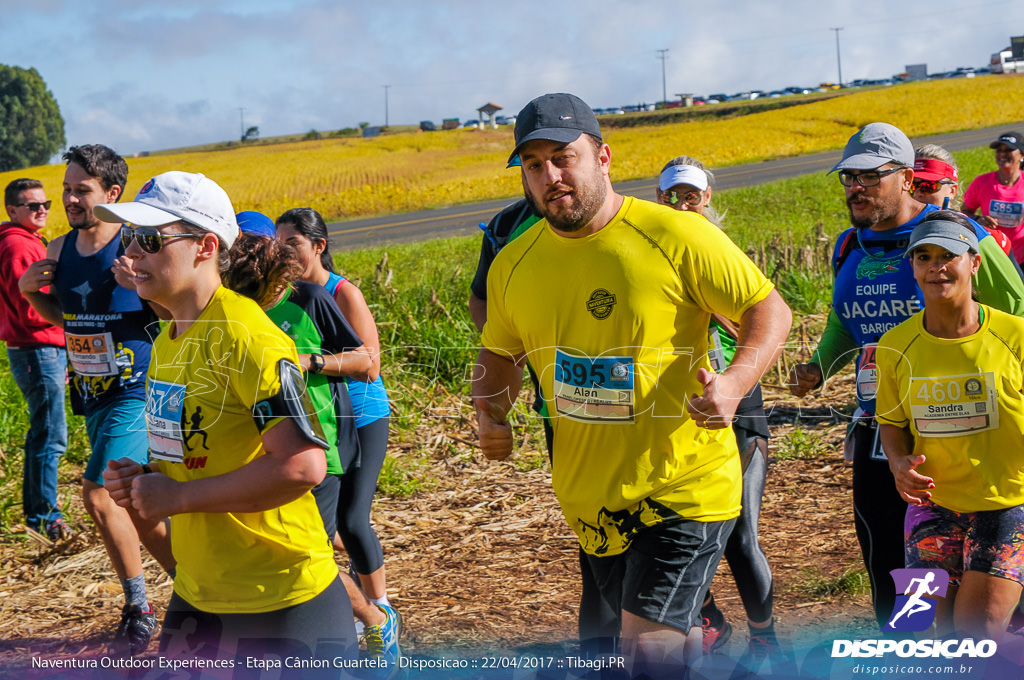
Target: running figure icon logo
{"points": [[914, 610]]}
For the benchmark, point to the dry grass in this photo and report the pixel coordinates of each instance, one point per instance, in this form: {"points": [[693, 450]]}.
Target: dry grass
{"points": [[482, 561]]}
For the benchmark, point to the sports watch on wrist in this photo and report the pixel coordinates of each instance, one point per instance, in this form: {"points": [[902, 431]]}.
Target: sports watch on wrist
{"points": [[316, 363]]}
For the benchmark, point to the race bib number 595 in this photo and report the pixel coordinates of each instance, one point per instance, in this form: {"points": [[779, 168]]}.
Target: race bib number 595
{"points": [[594, 389]]}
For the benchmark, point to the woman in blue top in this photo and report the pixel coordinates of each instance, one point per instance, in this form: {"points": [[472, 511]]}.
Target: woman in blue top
{"points": [[305, 230]]}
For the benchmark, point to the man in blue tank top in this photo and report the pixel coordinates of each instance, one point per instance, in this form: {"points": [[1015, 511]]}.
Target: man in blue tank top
{"points": [[109, 332]]}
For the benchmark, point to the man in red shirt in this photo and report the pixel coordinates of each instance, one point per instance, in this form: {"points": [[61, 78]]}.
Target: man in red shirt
{"points": [[35, 349]]}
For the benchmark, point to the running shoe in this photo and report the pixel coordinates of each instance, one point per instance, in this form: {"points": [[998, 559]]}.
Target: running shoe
{"points": [[764, 646], [136, 628], [382, 640], [58, 530], [715, 637]]}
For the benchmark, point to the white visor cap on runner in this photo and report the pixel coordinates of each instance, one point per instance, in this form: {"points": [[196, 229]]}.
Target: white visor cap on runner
{"points": [[683, 174]]}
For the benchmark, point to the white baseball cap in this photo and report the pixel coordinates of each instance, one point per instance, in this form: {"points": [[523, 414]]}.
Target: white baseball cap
{"points": [[175, 195]]}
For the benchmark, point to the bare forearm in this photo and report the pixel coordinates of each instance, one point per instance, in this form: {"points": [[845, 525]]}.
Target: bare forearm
{"points": [[478, 311], [262, 484], [354, 363], [762, 335], [496, 380], [46, 306], [896, 441]]}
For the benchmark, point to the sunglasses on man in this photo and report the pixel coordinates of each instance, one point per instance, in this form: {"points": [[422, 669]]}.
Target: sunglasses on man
{"points": [[149, 238], [35, 206], [870, 178]]}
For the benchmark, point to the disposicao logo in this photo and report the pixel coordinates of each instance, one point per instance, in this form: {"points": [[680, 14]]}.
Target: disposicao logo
{"points": [[913, 612]]}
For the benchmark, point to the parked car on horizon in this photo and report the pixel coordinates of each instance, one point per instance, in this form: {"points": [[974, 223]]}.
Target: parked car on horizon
{"points": [[427, 126]]}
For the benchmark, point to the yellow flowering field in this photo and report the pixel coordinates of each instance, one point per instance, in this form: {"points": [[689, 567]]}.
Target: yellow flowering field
{"points": [[345, 177]]}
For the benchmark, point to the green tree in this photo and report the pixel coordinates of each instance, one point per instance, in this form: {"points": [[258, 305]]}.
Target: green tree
{"points": [[31, 127]]}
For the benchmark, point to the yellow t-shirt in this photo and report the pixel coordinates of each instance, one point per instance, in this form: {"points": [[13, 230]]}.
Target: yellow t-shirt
{"points": [[200, 393], [961, 399], [615, 326]]}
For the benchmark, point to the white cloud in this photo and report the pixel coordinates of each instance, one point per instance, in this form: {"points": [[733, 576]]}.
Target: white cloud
{"points": [[182, 71]]}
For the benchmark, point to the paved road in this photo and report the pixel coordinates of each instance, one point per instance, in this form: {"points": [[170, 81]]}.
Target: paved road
{"points": [[463, 220]]}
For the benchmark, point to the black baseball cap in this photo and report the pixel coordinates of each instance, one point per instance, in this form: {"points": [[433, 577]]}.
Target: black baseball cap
{"points": [[556, 117], [1012, 139]]}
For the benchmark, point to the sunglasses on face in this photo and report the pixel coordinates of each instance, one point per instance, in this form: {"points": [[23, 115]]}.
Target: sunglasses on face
{"points": [[687, 197], [149, 238], [35, 206], [929, 186], [865, 179]]}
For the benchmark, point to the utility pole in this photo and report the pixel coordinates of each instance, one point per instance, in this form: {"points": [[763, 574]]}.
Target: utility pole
{"points": [[839, 62], [241, 122], [663, 55], [386, 105]]}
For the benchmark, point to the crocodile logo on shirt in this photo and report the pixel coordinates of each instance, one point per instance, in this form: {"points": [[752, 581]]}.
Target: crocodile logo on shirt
{"points": [[870, 268]]}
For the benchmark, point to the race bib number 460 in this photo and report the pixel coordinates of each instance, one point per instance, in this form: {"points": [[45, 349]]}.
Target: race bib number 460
{"points": [[952, 406], [594, 389]]}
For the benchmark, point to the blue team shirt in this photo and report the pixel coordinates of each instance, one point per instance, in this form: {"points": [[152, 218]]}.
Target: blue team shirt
{"points": [[875, 291], [109, 330]]}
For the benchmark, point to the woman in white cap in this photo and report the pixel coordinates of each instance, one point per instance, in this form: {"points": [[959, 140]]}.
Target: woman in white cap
{"points": [[951, 420], [233, 450], [999, 195], [685, 184]]}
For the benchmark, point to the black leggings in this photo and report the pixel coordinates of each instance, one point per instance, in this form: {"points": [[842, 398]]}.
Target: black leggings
{"points": [[878, 512], [743, 552], [321, 628], [358, 486]]}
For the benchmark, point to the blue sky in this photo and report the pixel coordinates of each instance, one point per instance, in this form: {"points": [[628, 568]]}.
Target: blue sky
{"points": [[161, 75]]}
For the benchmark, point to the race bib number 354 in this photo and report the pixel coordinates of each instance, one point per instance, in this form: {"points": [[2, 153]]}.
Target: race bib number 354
{"points": [[594, 389]]}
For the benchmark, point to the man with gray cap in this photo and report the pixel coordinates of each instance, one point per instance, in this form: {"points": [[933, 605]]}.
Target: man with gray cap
{"points": [[592, 296], [874, 291]]}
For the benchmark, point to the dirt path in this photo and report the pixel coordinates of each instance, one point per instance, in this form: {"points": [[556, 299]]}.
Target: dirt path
{"points": [[483, 561]]}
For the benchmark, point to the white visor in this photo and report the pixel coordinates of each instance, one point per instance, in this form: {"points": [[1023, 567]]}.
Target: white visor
{"points": [[683, 174]]}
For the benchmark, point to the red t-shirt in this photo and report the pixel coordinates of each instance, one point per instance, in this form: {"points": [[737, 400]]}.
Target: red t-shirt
{"points": [[20, 325]]}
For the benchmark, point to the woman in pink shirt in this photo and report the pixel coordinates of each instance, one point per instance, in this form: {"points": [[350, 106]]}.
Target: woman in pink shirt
{"points": [[999, 195]]}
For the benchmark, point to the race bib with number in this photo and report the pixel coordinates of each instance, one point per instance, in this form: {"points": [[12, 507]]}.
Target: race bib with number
{"points": [[952, 406], [594, 390], [164, 402], [1006, 213], [867, 373], [91, 354]]}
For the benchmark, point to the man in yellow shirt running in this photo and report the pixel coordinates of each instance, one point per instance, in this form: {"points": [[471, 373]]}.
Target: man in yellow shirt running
{"points": [[609, 299]]}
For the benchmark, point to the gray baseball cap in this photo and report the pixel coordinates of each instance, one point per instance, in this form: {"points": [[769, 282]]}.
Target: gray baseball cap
{"points": [[555, 117], [874, 145], [954, 237]]}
